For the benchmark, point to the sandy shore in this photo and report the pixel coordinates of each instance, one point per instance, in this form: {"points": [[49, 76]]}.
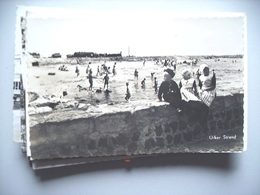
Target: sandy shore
{"points": [[50, 88]]}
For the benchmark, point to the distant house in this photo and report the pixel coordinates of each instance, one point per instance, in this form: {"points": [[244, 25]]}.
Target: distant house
{"points": [[83, 54], [115, 55], [56, 55]]}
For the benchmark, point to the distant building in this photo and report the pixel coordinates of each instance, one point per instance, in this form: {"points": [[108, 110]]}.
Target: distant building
{"points": [[83, 54], [94, 55], [56, 55]]}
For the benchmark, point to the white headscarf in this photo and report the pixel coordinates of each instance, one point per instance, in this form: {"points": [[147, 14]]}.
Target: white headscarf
{"points": [[206, 80], [186, 74], [202, 67]]}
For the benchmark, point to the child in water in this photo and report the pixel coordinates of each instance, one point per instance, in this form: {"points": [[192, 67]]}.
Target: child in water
{"points": [[143, 83], [106, 79], [136, 73]]}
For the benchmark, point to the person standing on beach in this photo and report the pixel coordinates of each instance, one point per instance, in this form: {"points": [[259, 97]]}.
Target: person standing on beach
{"points": [[143, 83], [87, 69], [114, 69], [136, 73], [106, 79], [127, 95], [165, 63], [90, 79], [90, 71], [77, 71], [152, 74], [155, 84], [173, 64]]}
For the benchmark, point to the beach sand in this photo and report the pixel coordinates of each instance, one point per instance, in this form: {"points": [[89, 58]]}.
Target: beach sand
{"points": [[229, 73]]}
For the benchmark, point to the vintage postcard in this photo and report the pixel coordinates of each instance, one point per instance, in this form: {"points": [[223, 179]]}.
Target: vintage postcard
{"points": [[104, 84]]}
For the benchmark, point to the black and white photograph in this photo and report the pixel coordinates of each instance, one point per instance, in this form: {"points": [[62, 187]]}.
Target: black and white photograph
{"points": [[102, 85]]}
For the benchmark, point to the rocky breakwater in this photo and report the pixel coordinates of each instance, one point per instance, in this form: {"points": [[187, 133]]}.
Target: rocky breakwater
{"points": [[133, 128]]}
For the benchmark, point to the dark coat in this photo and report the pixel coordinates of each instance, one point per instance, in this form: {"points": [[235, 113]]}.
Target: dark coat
{"points": [[170, 92]]}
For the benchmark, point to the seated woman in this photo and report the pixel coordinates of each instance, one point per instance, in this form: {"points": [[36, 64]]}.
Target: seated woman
{"points": [[188, 87], [191, 104], [207, 84], [206, 95], [196, 103]]}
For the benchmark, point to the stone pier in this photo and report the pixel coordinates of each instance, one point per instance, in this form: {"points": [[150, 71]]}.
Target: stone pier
{"points": [[136, 129]]}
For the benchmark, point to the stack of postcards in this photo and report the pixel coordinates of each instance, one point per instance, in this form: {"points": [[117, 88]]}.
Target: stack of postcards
{"points": [[88, 88]]}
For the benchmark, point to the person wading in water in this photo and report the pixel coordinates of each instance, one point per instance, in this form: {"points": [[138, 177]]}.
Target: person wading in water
{"points": [[136, 73], [77, 71], [90, 79], [106, 79], [114, 69], [155, 84], [127, 95]]}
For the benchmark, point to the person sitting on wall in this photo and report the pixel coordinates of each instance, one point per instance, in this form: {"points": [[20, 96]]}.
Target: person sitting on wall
{"points": [[191, 104], [207, 85], [197, 107], [188, 87], [169, 90]]}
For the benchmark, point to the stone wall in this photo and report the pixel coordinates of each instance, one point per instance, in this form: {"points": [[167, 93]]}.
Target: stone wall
{"points": [[154, 129]]}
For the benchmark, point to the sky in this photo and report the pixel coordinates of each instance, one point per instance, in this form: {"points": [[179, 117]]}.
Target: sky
{"points": [[143, 33]]}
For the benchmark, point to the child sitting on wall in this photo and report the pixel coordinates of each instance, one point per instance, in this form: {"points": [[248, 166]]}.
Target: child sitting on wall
{"points": [[169, 90]]}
